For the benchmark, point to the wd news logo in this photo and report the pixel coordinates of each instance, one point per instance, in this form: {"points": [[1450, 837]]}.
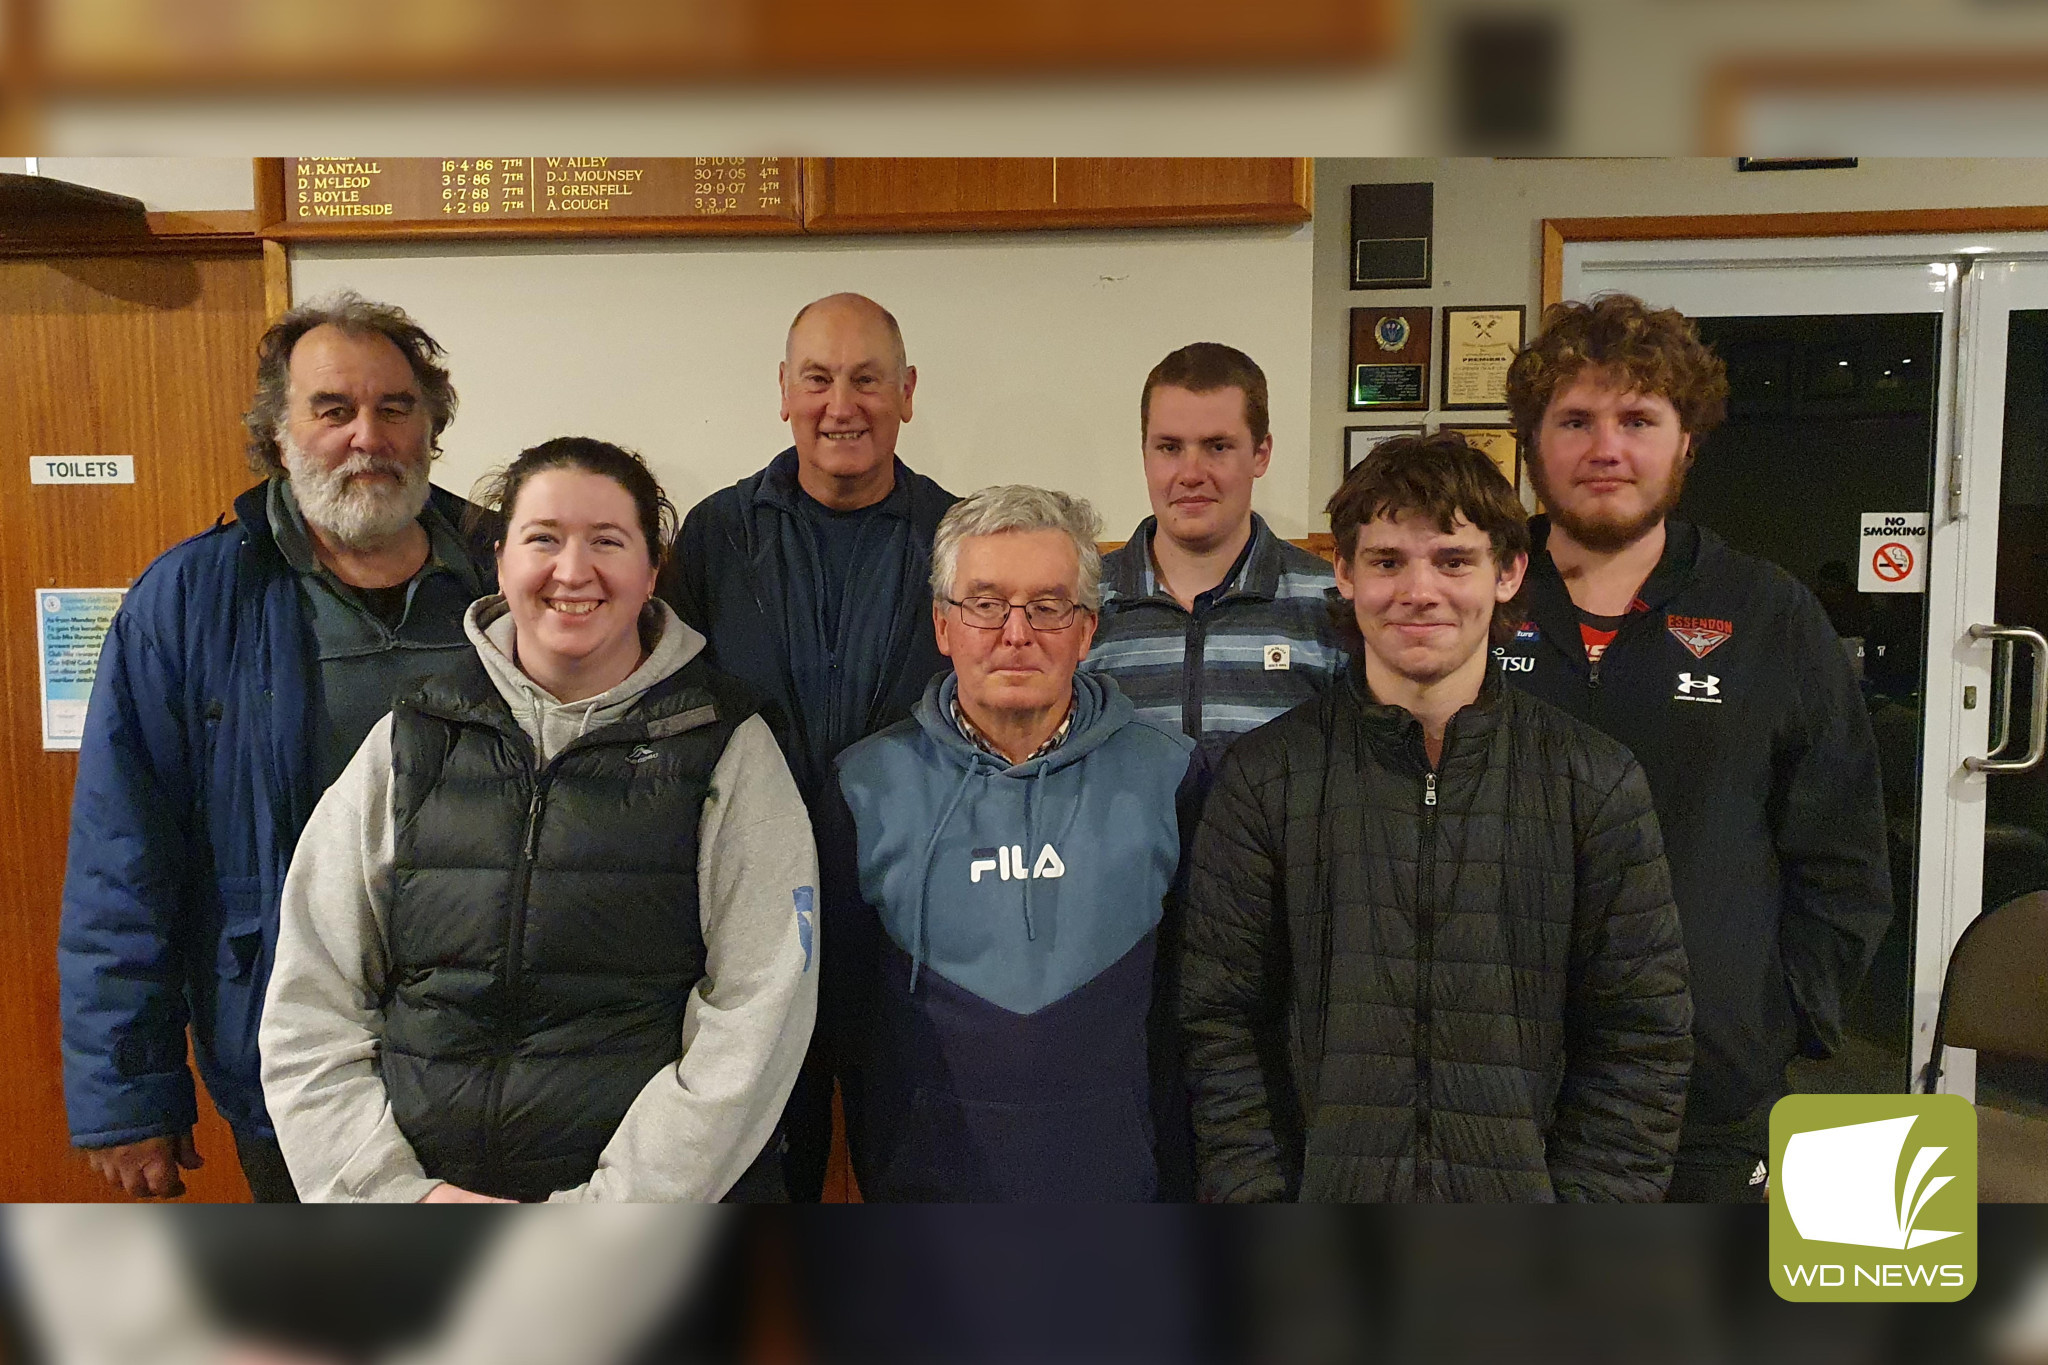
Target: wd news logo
{"points": [[1873, 1198]]}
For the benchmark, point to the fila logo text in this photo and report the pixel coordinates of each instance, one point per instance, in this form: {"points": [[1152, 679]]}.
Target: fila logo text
{"points": [[1009, 861]]}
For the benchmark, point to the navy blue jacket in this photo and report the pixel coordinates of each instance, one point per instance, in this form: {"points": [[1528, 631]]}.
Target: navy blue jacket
{"points": [[1019, 906], [198, 768], [745, 567], [1733, 693]]}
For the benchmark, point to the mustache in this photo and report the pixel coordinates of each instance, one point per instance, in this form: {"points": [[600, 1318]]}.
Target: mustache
{"points": [[365, 463]]}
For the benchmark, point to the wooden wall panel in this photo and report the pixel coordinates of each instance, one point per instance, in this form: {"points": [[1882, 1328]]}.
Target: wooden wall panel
{"points": [[964, 194], [143, 355], [1260, 187], [909, 194]]}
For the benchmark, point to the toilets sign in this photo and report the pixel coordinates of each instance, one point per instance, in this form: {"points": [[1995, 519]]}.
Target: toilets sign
{"points": [[1892, 552], [81, 469]]}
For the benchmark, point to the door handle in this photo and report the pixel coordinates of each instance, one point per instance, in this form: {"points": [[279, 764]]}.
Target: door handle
{"points": [[2037, 719], [2001, 719]]}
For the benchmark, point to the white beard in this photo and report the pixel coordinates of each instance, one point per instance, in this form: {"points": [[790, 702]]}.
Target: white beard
{"points": [[359, 517]]}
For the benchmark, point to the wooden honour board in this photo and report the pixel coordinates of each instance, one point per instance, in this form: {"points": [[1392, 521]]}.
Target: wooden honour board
{"points": [[312, 198]]}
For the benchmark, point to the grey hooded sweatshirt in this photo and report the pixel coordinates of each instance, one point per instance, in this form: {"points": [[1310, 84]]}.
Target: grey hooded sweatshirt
{"points": [[696, 1126]]}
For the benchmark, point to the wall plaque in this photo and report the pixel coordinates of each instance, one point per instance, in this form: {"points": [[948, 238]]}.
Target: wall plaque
{"points": [[1479, 345], [357, 196], [1360, 442], [1390, 359], [1391, 230], [1497, 442]]}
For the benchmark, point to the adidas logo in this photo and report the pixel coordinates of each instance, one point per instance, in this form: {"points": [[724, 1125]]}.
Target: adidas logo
{"points": [[1759, 1176]]}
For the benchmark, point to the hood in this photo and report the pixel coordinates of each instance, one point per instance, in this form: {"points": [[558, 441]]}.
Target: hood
{"points": [[552, 724], [1100, 710]]}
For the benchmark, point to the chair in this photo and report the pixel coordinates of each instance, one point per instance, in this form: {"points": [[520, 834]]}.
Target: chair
{"points": [[1995, 999]]}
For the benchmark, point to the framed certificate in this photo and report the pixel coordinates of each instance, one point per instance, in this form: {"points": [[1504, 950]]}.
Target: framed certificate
{"points": [[1479, 345], [1497, 442], [1360, 442], [1389, 359]]}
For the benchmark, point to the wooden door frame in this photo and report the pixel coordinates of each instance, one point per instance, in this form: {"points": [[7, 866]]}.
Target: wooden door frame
{"points": [[1734, 226], [225, 232]]}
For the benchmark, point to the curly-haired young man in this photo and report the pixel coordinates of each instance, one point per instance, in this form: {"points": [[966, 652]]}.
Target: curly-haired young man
{"points": [[1721, 674]]}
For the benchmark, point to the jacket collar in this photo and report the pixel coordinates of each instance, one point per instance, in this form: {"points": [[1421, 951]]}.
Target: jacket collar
{"points": [[252, 513], [1099, 711], [779, 489], [1257, 581], [1686, 546], [1393, 730]]}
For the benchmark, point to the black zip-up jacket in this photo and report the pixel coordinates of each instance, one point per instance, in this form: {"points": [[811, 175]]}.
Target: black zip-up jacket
{"points": [[746, 573], [1411, 984], [1734, 693]]}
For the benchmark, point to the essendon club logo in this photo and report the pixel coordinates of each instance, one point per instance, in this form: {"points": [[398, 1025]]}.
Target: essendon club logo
{"points": [[1700, 634]]}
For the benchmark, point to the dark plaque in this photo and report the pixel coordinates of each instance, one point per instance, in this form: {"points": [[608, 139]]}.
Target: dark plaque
{"points": [[1389, 359], [1391, 231]]}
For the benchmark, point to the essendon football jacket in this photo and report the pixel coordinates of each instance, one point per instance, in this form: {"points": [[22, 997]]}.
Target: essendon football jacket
{"points": [[1730, 687]]}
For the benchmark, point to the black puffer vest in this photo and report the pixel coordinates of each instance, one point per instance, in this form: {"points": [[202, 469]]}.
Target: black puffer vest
{"points": [[544, 930]]}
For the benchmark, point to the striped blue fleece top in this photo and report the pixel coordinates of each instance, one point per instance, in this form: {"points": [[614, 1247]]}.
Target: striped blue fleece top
{"points": [[1252, 649]]}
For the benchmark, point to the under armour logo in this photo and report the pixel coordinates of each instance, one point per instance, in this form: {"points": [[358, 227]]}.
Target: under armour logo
{"points": [[1009, 861], [1709, 686]]}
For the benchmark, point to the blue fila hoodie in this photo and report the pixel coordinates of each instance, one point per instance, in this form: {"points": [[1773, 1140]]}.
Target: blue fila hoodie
{"points": [[1018, 904]]}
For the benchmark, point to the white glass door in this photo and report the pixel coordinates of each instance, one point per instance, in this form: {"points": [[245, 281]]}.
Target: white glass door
{"points": [[1835, 416], [1999, 495]]}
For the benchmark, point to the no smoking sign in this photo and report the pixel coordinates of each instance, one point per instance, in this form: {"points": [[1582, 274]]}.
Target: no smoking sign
{"points": [[1892, 552]]}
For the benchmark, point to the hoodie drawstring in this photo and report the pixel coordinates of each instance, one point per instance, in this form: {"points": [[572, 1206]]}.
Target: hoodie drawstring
{"points": [[1030, 842], [931, 850]]}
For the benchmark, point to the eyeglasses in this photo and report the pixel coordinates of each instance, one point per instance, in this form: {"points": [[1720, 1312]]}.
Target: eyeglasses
{"points": [[993, 613]]}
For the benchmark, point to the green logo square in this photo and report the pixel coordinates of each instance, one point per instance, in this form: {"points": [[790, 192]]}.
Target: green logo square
{"points": [[1873, 1198]]}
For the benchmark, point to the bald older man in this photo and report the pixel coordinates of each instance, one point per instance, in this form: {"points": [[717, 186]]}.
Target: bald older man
{"points": [[810, 579]]}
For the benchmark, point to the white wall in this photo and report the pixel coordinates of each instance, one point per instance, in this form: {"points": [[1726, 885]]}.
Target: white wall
{"points": [[1031, 348]]}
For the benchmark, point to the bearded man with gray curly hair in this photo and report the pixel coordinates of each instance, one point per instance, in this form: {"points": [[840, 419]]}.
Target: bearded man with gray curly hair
{"points": [[242, 672]]}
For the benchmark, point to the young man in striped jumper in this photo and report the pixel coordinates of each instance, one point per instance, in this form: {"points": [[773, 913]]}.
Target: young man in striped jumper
{"points": [[1210, 622]]}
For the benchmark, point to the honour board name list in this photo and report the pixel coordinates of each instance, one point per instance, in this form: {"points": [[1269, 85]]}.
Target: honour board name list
{"points": [[365, 191]]}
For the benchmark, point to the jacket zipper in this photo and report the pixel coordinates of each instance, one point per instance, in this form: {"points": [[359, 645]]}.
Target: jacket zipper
{"points": [[515, 946], [529, 850], [1425, 934]]}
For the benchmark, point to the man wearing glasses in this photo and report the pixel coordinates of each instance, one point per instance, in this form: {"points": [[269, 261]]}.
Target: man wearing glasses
{"points": [[1016, 839]]}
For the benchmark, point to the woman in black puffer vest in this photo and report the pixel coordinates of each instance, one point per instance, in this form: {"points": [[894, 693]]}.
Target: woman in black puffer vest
{"points": [[552, 933]]}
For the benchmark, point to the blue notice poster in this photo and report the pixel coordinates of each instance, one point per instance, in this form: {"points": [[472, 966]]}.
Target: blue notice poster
{"points": [[71, 624]]}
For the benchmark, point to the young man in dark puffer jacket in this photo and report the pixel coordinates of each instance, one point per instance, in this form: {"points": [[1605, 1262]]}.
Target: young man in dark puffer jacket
{"points": [[1431, 950]]}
